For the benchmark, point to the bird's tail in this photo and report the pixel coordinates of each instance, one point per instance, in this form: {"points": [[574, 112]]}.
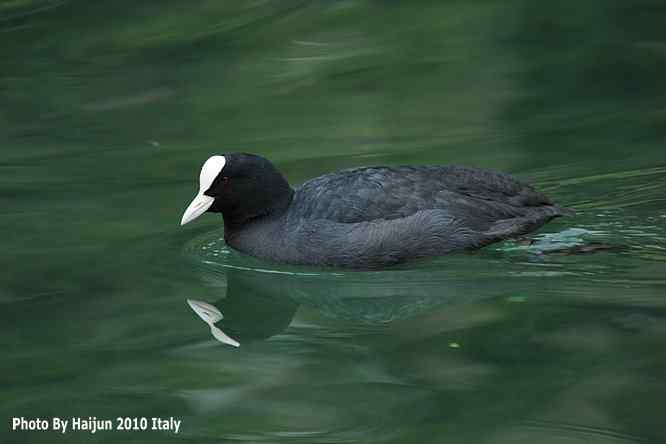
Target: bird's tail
{"points": [[565, 211]]}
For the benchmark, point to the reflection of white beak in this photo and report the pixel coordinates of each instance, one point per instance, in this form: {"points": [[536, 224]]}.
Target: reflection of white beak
{"points": [[210, 315], [223, 338], [207, 312], [199, 205]]}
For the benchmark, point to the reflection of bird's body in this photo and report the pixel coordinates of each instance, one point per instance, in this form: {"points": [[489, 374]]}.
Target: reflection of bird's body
{"points": [[365, 217]]}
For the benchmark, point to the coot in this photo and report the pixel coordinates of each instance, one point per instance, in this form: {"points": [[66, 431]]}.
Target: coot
{"points": [[365, 217]]}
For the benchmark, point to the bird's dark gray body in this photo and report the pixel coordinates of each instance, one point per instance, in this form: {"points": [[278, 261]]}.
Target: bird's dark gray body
{"points": [[378, 216]]}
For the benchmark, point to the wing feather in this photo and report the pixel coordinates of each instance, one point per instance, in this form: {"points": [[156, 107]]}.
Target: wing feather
{"points": [[477, 197]]}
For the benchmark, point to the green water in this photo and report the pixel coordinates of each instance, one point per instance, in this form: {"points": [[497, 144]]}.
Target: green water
{"points": [[108, 109]]}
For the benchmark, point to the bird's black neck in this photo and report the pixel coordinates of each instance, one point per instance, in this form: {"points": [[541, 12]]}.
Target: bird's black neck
{"points": [[270, 205]]}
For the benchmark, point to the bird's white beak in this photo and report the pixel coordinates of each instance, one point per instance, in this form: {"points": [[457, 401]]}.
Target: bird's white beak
{"points": [[202, 202], [197, 207]]}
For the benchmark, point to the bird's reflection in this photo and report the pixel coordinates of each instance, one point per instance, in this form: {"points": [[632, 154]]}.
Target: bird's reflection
{"points": [[261, 301], [259, 304]]}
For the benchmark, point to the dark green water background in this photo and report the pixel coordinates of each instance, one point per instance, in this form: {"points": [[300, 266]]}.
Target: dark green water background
{"points": [[108, 109]]}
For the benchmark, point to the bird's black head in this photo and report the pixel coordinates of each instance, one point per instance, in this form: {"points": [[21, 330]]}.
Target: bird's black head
{"points": [[240, 186]]}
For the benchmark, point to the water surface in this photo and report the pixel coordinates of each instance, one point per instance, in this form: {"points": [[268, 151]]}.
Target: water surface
{"points": [[108, 111]]}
